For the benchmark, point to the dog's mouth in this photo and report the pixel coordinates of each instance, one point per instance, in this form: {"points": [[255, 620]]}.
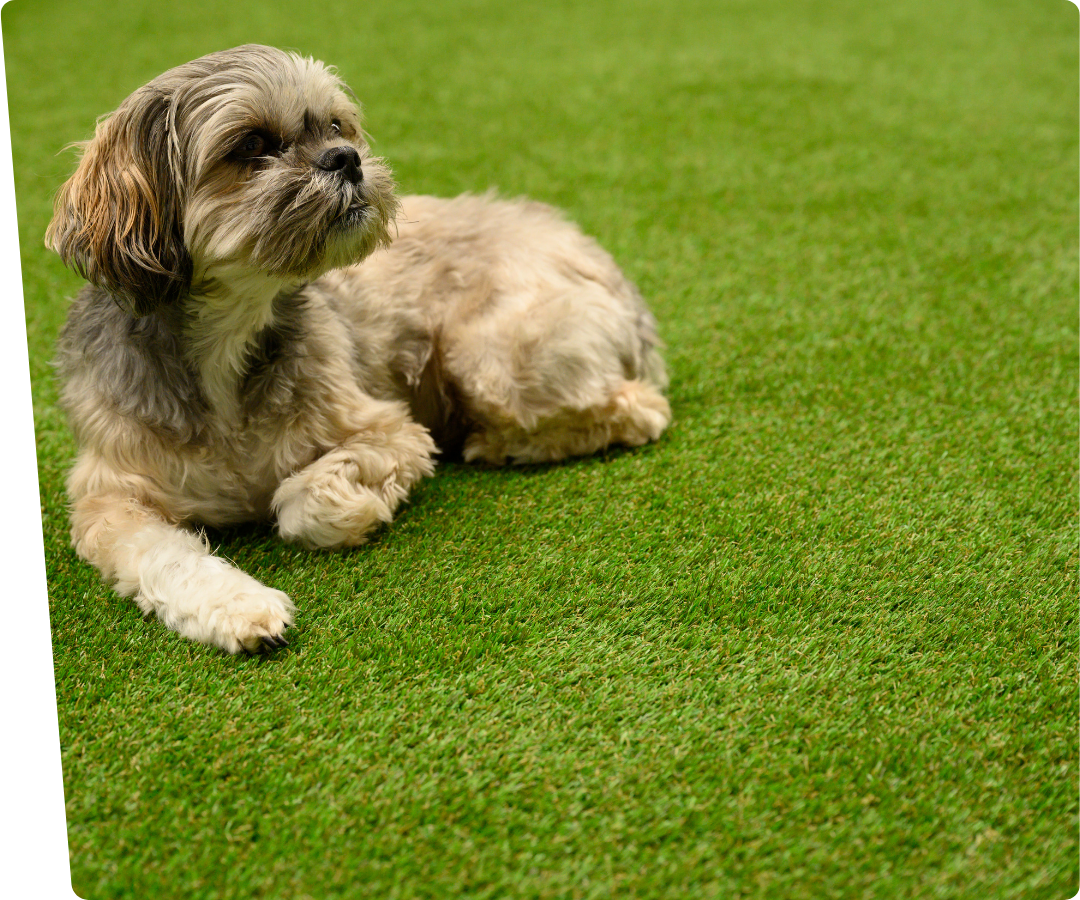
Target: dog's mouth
{"points": [[354, 214]]}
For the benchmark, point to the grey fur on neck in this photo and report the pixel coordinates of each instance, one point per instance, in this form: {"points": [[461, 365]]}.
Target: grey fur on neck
{"points": [[273, 367], [142, 367], [136, 365]]}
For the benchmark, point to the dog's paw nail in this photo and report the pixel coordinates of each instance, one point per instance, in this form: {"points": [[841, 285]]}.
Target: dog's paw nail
{"points": [[274, 642]]}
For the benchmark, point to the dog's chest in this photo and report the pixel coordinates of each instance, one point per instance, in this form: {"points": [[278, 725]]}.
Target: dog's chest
{"points": [[273, 424], [231, 476]]}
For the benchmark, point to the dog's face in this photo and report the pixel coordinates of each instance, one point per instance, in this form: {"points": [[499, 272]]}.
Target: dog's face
{"points": [[247, 160]]}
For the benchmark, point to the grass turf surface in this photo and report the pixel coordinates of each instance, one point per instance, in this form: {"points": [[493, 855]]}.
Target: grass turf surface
{"points": [[820, 641]]}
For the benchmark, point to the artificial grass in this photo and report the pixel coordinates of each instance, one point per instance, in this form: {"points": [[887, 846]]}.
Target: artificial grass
{"points": [[820, 641]]}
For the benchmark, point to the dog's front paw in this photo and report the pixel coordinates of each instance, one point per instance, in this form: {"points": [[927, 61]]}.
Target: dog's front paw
{"points": [[339, 499], [334, 512], [215, 603], [412, 450], [253, 620]]}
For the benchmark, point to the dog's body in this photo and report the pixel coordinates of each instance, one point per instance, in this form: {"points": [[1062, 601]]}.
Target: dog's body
{"points": [[231, 361]]}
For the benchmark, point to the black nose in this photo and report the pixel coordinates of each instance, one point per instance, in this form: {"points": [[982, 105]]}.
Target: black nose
{"points": [[344, 160]]}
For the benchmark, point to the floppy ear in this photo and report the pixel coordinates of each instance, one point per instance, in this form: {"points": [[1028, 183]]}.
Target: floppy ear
{"points": [[116, 221]]}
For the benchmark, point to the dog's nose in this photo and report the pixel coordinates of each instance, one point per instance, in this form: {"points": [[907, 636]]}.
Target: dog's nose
{"points": [[344, 160]]}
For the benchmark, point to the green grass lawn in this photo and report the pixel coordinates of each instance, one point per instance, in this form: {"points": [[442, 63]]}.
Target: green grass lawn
{"points": [[819, 641]]}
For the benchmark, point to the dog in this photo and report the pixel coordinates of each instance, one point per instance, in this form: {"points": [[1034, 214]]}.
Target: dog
{"points": [[269, 333]]}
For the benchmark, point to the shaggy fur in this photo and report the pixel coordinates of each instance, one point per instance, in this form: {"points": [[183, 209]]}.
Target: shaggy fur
{"points": [[230, 359]]}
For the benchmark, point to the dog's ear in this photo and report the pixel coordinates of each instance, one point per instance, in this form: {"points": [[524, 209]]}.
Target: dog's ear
{"points": [[116, 221]]}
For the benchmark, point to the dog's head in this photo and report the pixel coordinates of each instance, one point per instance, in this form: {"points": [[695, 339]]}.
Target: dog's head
{"points": [[250, 159]]}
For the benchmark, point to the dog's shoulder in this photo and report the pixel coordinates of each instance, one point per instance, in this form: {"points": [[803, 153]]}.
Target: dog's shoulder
{"points": [[135, 366]]}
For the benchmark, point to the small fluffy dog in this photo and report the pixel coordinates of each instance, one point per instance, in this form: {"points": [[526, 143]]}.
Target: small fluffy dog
{"points": [[230, 359]]}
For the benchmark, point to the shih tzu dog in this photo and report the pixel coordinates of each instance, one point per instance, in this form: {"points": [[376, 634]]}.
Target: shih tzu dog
{"points": [[269, 332]]}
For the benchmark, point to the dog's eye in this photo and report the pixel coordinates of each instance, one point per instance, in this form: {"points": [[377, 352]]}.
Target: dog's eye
{"points": [[335, 125], [251, 146], [255, 145]]}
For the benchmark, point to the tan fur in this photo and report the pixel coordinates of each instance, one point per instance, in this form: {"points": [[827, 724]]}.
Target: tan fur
{"points": [[294, 389]]}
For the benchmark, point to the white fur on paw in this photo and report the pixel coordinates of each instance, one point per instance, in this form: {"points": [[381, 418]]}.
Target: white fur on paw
{"points": [[206, 599], [249, 618]]}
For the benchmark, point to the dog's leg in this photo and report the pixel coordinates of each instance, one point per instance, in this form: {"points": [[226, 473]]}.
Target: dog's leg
{"points": [[580, 374], [337, 500], [170, 572], [632, 414]]}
